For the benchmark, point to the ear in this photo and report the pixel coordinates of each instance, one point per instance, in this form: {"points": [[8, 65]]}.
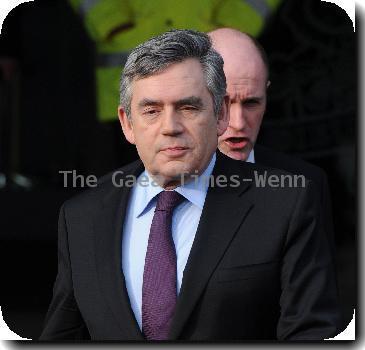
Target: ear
{"points": [[126, 124], [223, 118], [268, 84]]}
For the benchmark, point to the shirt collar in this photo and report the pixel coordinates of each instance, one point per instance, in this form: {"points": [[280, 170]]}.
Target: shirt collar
{"points": [[194, 191], [251, 157]]}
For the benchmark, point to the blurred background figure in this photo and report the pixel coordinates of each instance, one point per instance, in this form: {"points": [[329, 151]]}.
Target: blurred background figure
{"points": [[132, 22], [59, 71], [248, 79]]}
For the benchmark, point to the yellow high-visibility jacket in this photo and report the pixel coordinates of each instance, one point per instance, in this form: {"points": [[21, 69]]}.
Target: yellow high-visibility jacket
{"points": [[117, 26]]}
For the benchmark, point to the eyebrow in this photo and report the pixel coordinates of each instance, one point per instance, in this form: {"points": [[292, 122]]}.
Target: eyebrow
{"points": [[254, 98], [191, 100], [148, 102], [248, 99]]}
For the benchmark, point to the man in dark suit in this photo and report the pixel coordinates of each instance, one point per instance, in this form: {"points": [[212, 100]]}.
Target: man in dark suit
{"points": [[247, 72], [157, 252]]}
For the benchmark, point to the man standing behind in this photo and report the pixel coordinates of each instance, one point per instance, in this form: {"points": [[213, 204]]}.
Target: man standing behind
{"points": [[177, 257], [247, 72]]}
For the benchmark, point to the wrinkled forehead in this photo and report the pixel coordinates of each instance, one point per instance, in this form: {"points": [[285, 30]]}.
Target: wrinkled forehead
{"points": [[177, 81], [239, 87]]}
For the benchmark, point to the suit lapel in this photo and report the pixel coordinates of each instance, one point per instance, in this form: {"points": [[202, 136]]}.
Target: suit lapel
{"points": [[223, 213], [108, 225]]}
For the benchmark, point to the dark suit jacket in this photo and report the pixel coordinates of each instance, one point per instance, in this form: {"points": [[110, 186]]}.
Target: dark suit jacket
{"points": [[259, 267], [294, 165]]}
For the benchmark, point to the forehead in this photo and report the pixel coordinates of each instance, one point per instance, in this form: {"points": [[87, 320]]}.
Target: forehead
{"points": [[245, 75], [243, 87], [175, 82], [245, 68]]}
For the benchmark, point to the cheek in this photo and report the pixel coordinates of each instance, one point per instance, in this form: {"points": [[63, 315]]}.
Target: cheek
{"points": [[203, 127], [254, 120], [259, 119], [145, 144], [208, 137]]}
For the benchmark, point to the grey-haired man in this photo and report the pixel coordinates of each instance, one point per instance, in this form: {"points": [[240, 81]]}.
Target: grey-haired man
{"points": [[177, 257]]}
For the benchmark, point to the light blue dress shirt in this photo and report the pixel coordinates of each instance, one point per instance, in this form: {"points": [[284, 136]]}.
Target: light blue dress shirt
{"points": [[251, 157], [137, 225]]}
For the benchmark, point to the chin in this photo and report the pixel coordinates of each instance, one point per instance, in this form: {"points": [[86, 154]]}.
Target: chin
{"points": [[171, 174], [237, 155], [241, 157]]}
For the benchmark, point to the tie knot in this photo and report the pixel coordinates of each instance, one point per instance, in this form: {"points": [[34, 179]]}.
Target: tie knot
{"points": [[168, 200]]}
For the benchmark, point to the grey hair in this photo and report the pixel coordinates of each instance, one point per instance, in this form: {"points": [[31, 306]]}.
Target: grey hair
{"points": [[159, 52]]}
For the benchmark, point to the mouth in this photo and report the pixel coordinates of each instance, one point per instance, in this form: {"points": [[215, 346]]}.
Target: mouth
{"points": [[236, 143], [174, 152]]}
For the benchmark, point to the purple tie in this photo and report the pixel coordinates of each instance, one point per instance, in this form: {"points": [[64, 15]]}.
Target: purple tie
{"points": [[159, 277]]}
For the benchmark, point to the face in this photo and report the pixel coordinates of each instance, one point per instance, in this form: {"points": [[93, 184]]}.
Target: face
{"points": [[246, 88], [172, 122]]}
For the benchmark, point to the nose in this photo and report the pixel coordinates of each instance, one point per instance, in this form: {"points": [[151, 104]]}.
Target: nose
{"points": [[237, 117], [171, 124]]}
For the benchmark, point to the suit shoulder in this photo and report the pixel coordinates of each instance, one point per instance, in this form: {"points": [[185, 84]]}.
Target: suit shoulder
{"points": [[125, 170], [105, 184], [255, 173], [294, 165]]}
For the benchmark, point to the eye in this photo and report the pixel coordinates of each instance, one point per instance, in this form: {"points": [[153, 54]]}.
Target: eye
{"points": [[189, 108], [150, 111], [250, 103]]}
